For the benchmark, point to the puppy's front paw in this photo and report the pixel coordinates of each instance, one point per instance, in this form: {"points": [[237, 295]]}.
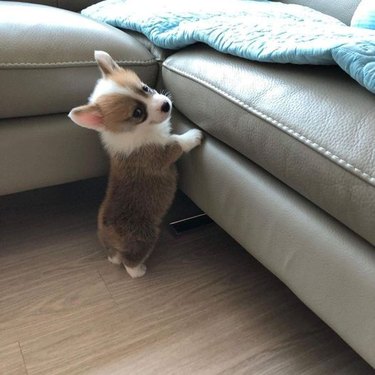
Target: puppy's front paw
{"points": [[136, 272], [194, 136], [190, 139]]}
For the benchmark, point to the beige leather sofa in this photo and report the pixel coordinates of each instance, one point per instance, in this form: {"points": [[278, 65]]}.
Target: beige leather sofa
{"points": [[288, 163]]}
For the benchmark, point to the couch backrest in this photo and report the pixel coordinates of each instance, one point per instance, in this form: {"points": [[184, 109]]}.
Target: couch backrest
{"points": [[341, 9], [75, 5]]}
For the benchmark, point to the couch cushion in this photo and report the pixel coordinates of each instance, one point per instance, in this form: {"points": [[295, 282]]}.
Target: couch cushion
{"points": [[340, 9], [364, 16], [46, 60], [75, 5], [311, 127]]}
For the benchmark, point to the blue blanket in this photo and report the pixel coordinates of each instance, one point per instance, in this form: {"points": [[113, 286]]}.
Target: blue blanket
{"points": [[255, 30]]}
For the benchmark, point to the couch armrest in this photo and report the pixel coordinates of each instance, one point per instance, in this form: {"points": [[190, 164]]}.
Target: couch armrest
{"points": [[74, 5]]}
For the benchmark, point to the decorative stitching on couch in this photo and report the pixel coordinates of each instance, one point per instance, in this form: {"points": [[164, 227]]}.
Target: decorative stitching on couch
{"points": [[323, 151], [72, 63]]}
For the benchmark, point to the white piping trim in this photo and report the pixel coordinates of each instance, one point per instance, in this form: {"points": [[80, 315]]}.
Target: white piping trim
{"points": [[316, 147], [74, 63]]}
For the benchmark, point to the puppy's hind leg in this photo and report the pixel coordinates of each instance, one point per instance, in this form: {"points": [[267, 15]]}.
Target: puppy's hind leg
{"points": [[106, 238], [114, 257], [136, 253], [137, 271]]}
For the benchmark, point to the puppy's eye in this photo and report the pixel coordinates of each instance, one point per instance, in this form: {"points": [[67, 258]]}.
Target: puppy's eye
{"points": [[145, 88], [138, 113]]}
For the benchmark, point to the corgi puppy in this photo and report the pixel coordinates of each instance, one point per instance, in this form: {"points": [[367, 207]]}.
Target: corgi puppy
{"points": [[133, 121]]}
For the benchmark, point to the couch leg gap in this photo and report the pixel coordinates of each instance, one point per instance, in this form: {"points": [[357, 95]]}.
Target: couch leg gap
{"points": [[190, 223]]}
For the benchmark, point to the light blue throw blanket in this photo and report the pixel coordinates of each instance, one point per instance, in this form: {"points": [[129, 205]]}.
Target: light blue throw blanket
{"points": [[255, 30]]}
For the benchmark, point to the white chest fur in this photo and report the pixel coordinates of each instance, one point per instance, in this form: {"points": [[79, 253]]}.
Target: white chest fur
{"points": [[127, 142]]}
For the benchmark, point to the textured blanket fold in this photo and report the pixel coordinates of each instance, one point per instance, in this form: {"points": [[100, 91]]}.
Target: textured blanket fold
{"points": [[255, 30]]}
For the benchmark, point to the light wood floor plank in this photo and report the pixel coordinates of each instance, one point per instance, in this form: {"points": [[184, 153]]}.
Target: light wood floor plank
{"points": [[11, 361], [204, 307], [51, 304]]}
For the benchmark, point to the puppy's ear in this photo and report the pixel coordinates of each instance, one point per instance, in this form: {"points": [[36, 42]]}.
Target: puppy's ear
{"points": [[106, 64], [88, 116]]}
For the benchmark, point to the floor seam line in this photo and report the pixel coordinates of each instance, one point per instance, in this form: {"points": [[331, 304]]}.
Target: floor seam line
{"points": [[23, 358], [106, 286]]}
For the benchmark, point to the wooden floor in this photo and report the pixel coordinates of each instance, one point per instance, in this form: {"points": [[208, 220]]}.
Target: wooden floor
{"points": [[204, 307]]}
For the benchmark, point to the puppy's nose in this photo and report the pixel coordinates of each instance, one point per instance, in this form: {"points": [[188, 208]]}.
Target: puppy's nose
{"points": [[165, 107]]}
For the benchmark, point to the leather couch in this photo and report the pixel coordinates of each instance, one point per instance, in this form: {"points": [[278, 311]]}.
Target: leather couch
{"points": [[287, 167]]}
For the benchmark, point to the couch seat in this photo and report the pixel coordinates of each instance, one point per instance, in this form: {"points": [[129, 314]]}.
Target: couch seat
{"points": [[312, 127]]}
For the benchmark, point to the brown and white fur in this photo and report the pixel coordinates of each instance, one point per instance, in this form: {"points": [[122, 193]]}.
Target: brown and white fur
{"points": [[134, 123]]}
